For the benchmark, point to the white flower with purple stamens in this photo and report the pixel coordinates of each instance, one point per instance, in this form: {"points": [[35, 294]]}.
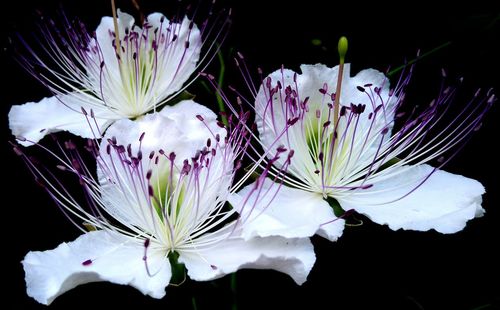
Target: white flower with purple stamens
{"points": [[372, 160], [95, 83], [159, 200]]}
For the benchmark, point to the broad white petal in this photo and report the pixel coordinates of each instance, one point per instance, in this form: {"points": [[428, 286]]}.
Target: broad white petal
{"points": [[271, 119], [273, 113], [154, 62], [294, 257], [290, 213], [106, 40], [174, 129], [444, 202], [176, 63], [116, 259], [34, 120]]}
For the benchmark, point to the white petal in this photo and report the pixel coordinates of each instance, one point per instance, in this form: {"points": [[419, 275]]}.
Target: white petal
{"points": [[272, 114], [114, 258], [173, 129], [34, 120], [313, 78], [105, 39], [176, 63], [294, 257], [445, 202], [291, 213]]}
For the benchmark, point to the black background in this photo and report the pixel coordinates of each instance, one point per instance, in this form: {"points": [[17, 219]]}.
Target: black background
{"points": [[370, 267]]}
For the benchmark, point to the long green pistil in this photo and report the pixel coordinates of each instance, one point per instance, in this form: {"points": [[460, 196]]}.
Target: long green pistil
{"points": [[342, 47], [115, 24]]}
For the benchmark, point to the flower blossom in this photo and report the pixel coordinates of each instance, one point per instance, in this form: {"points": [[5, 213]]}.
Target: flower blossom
{"points": [[111, 77], [156, 204], [370, 158]]}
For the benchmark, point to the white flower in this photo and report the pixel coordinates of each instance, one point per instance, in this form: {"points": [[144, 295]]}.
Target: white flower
{"points": [[159, 199], [361, 162], [95, 84]]}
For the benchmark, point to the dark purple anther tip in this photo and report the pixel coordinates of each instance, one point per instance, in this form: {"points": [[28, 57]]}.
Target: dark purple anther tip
{"points": [[342, 111], [88, 262], [129, 150], [292, 121], [281, 149]]}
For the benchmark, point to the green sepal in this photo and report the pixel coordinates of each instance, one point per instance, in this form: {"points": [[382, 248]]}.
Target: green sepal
{"points": [[337, 210], [178, 269]]}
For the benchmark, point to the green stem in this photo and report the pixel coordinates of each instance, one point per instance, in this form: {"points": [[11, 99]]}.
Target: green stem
{"points": [[193, 302], [220, 82], [233, 290], [483, 307], [432, 51]]}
